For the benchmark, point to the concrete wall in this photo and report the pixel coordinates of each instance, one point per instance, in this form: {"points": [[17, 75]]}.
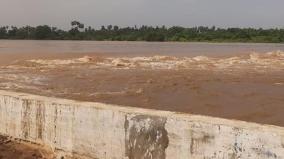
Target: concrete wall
{"points": [[96, 130]]}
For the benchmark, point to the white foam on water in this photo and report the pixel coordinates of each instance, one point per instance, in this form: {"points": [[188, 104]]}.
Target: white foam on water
{"points": [[271, 60]]}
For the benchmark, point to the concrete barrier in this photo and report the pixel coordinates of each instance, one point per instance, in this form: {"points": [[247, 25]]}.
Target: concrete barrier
{"points": [[97, 130]]}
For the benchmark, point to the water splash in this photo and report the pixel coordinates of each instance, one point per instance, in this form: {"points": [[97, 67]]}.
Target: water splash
{"points": [[271, 60]]}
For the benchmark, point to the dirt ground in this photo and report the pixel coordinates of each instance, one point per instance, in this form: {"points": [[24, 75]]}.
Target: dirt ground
{"points": [[11, 149]]}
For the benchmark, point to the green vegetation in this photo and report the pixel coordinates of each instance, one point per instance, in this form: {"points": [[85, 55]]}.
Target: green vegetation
{"points": [[144, 33]]}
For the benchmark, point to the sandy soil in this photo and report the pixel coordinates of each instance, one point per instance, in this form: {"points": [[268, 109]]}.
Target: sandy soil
{"points": [[248, 87], [11, 149]]}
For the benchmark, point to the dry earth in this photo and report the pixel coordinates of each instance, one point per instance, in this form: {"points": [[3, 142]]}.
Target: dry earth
{"points": [[12, 149]]}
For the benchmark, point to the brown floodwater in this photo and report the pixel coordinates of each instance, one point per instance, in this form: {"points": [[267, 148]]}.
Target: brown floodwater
{"points": [[234, 81], [135, 48]]}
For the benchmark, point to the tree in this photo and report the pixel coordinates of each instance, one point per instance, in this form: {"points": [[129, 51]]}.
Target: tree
{"points": [[103, 28], [43, 32], [115, 28], [77, 25], [109, 27], [12, 32], [154, 36], [144, 33], [3, 32]]}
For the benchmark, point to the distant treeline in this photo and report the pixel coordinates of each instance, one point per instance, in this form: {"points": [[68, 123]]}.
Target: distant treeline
{"points": [[144, 33]]}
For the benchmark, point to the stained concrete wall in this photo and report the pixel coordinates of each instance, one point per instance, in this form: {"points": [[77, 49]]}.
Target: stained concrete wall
{"points": [[96, 130]]}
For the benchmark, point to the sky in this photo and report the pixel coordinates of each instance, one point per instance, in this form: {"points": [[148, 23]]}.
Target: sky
{"points": [[187, 13]]}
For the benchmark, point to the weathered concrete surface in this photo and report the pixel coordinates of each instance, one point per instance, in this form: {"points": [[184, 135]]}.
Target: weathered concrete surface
{"points": [[96, 130]]}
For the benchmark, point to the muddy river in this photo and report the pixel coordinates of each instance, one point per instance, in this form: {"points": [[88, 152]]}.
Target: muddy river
{"points": [[234, 81]]}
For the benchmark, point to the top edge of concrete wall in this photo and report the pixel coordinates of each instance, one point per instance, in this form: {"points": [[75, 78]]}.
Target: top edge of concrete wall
{"points": [[151, 112]]}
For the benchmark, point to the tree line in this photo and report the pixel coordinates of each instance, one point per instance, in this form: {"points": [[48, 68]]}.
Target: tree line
{"points": [[78, 31]]}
